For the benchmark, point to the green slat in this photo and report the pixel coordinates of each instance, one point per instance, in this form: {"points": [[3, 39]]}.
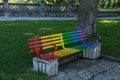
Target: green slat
{"points": [[68, 36], [79, 47], [67, 42], [67, 39]]}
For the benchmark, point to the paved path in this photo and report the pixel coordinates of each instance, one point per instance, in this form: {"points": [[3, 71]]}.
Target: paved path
{"points": [[89, 70], [46, 18]]}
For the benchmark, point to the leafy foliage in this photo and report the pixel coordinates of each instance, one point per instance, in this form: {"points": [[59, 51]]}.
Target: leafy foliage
{"points": [[103, 3], [109, 3]]}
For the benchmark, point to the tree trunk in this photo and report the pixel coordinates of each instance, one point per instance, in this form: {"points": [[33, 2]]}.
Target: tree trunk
{"points": [[87, 16]]}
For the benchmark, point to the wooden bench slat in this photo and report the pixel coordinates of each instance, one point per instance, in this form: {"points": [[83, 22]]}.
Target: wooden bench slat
{"points": [[51, 39], [34, 39], [67, 42], [66, 51], [51, 46], [35, 46], [49, 36], [34, 42], [83, 38], [50, 43]]}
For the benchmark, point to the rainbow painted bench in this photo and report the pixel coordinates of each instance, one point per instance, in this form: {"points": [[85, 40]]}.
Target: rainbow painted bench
{"points": [[63, 44], [78, 37]]}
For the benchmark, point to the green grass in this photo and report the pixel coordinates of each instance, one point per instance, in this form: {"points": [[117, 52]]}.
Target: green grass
{"points": [[109, 9], [110, 31], [15, 58]]}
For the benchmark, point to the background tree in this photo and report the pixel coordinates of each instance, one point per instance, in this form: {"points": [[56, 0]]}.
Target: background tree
{"points": [[87, 16], [5, 6], [103, 3]]}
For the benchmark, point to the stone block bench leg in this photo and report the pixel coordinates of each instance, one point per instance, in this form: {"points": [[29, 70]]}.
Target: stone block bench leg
{"points": [[92, 53], [48, 67]]}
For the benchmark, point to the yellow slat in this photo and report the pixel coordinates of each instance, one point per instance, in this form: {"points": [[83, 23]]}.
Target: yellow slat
{"points": [[63, 54], [51, 39], [50, 46], [66, 51], [48, 43], [53, 35]]}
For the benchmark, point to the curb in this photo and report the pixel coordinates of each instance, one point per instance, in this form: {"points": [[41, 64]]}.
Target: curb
{"points": [[110, 58], [47, 18]]}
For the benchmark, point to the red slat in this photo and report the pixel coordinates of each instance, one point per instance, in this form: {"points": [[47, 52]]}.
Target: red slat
{"points": [[33, 42], [32, 39]]}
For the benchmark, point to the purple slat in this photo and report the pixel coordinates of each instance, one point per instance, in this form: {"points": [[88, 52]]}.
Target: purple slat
{"points": [[81, 34], [83, 38], [81, 30]]}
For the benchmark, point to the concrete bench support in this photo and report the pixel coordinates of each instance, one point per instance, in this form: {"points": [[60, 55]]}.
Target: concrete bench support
{"points": [[92, 53], [48, 67]]}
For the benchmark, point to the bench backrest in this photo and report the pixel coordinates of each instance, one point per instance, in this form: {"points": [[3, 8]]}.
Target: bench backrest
{"points": [[35, 44], [74, 36], [60, 39], [48, 41], [45, 42]]}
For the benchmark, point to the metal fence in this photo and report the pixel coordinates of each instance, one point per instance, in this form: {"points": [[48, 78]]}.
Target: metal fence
{"points": [[51, 10], [21, 9]]}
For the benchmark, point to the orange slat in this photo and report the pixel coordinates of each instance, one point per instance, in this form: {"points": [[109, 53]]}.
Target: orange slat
{"points": [[50, 46], [49, 43]]}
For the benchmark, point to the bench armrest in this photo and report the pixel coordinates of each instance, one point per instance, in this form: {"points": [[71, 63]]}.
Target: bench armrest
{"points": [[97, 41], [55, 49], [99, 38], [38, 52]]}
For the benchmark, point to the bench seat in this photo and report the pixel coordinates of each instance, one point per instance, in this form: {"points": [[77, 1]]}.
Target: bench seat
{"points": [[60, 48], [66, 52], [84, 46]]}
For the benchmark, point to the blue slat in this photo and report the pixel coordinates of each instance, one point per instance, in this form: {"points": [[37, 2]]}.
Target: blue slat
{"points": [[76, 40], [76, 37], [72, 32], [87, 45]]}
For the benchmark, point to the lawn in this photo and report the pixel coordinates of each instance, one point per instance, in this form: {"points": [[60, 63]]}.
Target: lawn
{"points": [[15, 58]]}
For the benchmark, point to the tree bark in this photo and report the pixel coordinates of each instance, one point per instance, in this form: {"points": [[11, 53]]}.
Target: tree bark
{"points": [[87, 16]]}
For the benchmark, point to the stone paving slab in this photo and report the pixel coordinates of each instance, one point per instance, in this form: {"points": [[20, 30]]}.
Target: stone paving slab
{"points": [[117, 69], [108, 65], [90, 70], [85, 74], [107, 76], [95, 70], [100, 77]]}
